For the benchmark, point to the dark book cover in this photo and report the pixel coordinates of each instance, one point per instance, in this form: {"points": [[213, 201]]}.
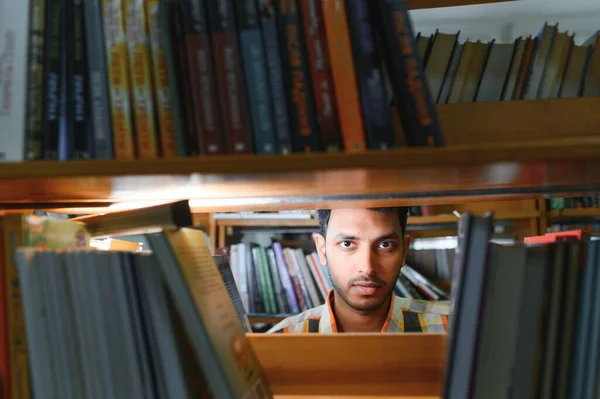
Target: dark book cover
{"points": [[227, 276], [257, 85], [300, 99], [320, 71], [413, 98], [35, 98], [230, 82], [271, 42], [77, 83], [203, 77], [374, 97], [53, 76], [97, 82], [171, 58], [192, 132]]}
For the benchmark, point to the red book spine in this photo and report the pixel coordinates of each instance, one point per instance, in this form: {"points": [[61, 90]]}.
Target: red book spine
{"points": [[230, 82], [203, 78], [320, 70]]}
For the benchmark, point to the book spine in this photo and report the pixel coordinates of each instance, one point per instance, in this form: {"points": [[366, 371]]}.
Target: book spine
{"points": [[79, 86], [275, 75], [17, 339], [118, 78], [146, 134], [301, 104], [100, 119], [296, 283], [160, 79], [192, 132], [253, 57], [344, 75], [269, 280], [203, 77], [55, 15], [280, 294], [320, 71], [35, 101], [228, 63], [251, 280], [286, 279], [413, 98], [374, 99]]}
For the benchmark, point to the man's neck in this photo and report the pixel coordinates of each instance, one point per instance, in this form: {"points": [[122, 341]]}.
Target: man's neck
{"points": [[352, 320]]}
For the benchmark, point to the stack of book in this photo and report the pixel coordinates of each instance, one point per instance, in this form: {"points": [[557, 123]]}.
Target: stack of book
{"points": [[559, 203], [134, 324], [545, 65], [524, 318], [131, 79]]}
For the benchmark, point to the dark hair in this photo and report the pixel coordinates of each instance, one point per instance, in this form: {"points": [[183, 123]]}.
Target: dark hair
{"points": [[402, 212]]}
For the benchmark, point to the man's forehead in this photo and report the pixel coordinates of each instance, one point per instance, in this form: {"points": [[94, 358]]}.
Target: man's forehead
{"points": [[361, 218]]}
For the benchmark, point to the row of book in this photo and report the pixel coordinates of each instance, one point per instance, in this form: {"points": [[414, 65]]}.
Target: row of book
{"points": [[559, 203], [130, 79], [524, 319], [85, 323], [280, 280], [545, 65]]}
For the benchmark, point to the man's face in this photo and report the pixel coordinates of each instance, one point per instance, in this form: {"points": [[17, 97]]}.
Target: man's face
{"points": [[364, 250]]}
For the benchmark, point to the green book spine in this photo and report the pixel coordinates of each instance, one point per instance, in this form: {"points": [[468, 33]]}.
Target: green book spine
{"points": [[269, 280], [261, 279]]}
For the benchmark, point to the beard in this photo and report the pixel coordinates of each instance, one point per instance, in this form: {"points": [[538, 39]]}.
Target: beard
{"points": [[364, 305]]}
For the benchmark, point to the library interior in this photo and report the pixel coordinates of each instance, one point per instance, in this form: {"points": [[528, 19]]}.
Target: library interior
{"points": [[181, 173]]}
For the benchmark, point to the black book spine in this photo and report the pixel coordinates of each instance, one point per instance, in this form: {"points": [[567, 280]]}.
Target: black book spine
{"points": [[374, 98], [52, 76], [301, 103], [413, 99], [79, 84]]}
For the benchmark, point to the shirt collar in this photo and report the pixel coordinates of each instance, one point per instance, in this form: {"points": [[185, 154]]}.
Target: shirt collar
{"points": [[328, 323]]}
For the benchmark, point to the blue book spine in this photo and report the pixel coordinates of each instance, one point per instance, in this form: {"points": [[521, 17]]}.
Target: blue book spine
{"points": [[100, 121], [409, 86], [275, 75], [254, 60], [374, 98]]}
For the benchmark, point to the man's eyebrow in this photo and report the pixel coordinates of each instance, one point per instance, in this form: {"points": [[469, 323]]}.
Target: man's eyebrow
{"points": [[392, 235], [388, 236]]}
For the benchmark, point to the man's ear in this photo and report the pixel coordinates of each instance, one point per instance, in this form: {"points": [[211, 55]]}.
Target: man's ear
{"points": [[406, 243], [320, 245]]}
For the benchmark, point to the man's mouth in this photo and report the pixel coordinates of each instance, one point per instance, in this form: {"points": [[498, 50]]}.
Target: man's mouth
{"points": [[367, 288]]}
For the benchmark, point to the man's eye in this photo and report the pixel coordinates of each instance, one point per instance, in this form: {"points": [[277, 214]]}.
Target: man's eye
{"points": [[346, 244], [387, 245]]}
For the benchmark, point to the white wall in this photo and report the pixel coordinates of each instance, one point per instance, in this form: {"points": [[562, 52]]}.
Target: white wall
{"points": [[506, 21]]}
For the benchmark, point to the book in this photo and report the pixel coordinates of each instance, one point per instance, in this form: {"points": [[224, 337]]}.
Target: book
{"points": [[228, 361], [226, 274]]}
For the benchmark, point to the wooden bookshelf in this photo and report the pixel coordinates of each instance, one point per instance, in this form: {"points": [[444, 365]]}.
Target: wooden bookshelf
{"points": [[268, 319], [516, 149], [574, 213], [420, 4], [394, 365]]}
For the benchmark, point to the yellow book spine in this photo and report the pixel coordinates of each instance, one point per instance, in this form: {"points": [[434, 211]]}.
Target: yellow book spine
{"points": [[118, 78], [17, 339], [136, 28], [168, 143]]}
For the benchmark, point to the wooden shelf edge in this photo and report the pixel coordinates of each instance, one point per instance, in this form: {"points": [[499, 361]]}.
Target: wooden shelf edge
{"points": [[574, 213], [393, 365], [422, 4]]}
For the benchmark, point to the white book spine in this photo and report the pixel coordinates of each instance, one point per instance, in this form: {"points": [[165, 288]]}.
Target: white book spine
{"points": [[14, 37]]}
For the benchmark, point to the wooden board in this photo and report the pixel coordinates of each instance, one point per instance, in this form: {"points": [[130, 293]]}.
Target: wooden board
{"points": [[419, 4], [396, 365], [400, 177]]}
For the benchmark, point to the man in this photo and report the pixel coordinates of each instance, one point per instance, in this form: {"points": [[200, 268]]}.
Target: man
{"points": [[364, 250]]}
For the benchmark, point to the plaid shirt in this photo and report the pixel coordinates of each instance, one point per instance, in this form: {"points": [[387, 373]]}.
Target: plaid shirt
{"points": [[405, 315]]}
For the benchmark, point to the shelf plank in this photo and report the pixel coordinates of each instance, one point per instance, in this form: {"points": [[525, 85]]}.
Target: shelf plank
{"points": [[268, 319], [395, 365], [574, 213], [405, 176], [420, 4]]}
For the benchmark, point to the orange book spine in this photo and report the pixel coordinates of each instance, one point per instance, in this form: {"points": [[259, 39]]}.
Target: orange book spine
{"points": [[141, 79], [168, 141], [17, 339], [118, 78], [344, 75]]}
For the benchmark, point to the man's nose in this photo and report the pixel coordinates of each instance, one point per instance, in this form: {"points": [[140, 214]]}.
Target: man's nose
{"points": [[368, 262]]}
